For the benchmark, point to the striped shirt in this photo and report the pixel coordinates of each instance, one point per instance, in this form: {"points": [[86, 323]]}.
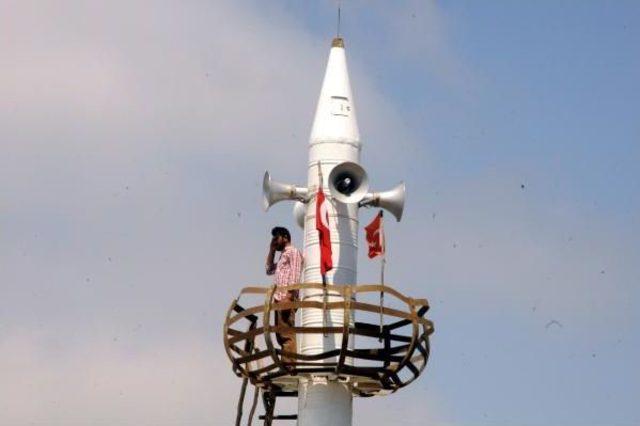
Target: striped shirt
{"points": [[286, 272]]}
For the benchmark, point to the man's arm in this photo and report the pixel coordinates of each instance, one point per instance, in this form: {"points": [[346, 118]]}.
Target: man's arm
{"points": [[270, 267]]}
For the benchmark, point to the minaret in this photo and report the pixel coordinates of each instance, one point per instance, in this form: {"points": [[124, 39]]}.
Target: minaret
{"points": [[331, 363], [334, 139]]}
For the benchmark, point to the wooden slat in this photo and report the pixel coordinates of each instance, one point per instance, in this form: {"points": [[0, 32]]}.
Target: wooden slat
{"points": [[412, 353]]}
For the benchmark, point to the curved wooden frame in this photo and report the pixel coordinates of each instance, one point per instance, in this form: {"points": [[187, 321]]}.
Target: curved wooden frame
{"points": [[265, 367]]}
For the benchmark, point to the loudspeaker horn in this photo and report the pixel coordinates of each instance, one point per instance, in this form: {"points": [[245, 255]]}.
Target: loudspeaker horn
{"points": [[348, 182], [392, 200], [299, 211], [273, 192]]}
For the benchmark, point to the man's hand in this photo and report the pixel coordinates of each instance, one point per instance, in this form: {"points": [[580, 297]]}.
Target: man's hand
{"points": [[270, 265]]}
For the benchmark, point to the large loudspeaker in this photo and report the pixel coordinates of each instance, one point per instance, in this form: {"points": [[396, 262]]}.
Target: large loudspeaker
{"points": [[274, 192], [392, 200], [348, 182], [299, 212]]}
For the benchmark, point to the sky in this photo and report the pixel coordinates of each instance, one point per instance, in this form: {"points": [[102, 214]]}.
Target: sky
{"points": [[133, 139]]}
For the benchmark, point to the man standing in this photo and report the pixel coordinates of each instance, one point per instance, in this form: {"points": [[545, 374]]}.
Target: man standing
{"points": [[286, 272]]}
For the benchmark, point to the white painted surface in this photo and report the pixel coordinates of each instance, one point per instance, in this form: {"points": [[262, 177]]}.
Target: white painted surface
{"points": [[324, 402], [334, 138], [335, 119]]}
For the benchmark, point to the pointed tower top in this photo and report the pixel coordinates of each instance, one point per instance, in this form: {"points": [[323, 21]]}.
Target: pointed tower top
{"points": [[335, 119]]}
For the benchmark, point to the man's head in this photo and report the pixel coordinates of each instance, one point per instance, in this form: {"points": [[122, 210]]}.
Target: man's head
{"points": [[281, 237]]}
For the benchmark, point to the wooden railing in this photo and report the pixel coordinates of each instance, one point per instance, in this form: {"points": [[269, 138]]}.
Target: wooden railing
{"points": [[394, 353]]}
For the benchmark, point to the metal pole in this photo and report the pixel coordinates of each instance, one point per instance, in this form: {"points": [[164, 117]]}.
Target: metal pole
{"points": [[254, 404], [324, 276], [243, 391], [325, 298], [383, 262]]}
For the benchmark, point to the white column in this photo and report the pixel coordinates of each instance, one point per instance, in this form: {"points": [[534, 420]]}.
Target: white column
{"points": [[335, 138], [324, 402]]}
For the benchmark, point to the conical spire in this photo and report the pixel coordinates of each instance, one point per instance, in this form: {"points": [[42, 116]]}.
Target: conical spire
{"points": [[335, 119]]}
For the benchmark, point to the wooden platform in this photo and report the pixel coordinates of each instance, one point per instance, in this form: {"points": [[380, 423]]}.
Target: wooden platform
{"points": [[380, 355]]}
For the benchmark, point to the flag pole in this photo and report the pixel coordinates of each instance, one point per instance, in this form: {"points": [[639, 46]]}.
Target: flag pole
{"points": [[324, 276], [383, 262], [325, 298]]}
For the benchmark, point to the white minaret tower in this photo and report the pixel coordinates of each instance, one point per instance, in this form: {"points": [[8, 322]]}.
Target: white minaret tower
{"points": [[335, 139], [330, 366]]}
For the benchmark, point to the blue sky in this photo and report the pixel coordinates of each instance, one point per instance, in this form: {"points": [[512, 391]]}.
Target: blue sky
{"points": [[134, 136]]}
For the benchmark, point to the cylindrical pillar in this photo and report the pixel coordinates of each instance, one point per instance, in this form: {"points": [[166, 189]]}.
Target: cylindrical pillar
{"points": [[323, 402], [322, 399]]}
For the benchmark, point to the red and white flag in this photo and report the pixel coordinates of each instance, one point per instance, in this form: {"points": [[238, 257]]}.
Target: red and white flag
{"points": [[375, 236], [322, 225]]}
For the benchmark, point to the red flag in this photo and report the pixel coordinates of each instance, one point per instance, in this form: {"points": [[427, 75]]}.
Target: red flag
{"points": [[322, 225], [375, 236]]}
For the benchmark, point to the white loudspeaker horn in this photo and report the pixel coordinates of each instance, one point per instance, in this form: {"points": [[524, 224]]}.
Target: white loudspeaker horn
{"points": [[392, 200], [274, 192], [299, 211], [348, 182]]}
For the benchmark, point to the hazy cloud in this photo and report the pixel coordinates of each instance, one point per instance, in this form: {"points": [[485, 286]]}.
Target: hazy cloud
{"points": [[133, 139]]}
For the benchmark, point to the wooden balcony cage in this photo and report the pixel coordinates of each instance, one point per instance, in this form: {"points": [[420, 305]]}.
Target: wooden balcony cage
{"points": [[386, 351]]}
